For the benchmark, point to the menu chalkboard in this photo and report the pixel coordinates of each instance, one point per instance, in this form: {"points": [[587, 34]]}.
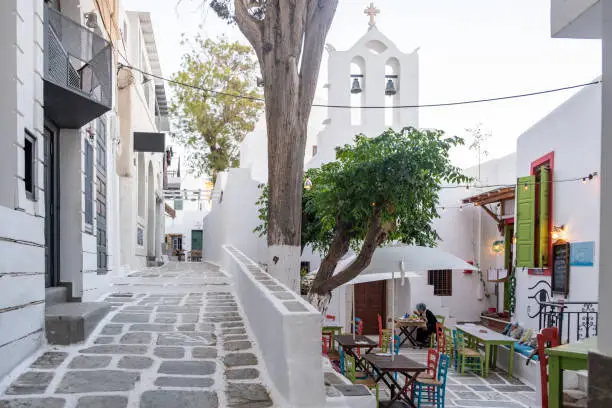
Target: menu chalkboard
{"points": [[561, 268]]}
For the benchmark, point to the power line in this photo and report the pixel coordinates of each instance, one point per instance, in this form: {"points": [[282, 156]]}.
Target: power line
{"points": [[430, 105], [584, 179]]}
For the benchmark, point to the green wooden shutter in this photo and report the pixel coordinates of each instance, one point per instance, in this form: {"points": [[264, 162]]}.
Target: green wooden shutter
{"points": [[525, 223], [544, 228]]}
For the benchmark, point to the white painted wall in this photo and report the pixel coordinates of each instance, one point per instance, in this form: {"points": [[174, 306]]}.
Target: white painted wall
{"points": [[289, 339], [573, 132], [22, 253], [233, 217]]}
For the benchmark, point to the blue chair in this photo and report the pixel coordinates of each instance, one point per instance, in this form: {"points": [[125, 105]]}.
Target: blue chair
{"points": [[432, 391], [341, 361]]}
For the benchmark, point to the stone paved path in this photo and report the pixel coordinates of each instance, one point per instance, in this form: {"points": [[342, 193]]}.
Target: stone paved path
{"points": [[471, 390], [175, 338]]}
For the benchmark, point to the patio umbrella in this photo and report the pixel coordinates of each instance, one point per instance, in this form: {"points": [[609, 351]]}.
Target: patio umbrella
{"points": [[408, 261]]}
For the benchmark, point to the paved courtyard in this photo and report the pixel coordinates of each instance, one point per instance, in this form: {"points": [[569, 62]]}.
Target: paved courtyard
{"points": [[176, 337], [470, 390]]}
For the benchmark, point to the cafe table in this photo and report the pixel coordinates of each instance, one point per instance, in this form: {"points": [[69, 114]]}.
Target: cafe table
{"points": [[571, 356], [349, 343], [384, 366], [407, 327], [491, 340]]}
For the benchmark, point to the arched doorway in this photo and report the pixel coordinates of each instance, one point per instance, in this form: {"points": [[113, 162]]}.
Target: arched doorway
{"points": [[151, 212]]}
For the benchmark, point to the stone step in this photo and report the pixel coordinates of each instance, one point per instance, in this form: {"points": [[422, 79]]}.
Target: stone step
{"points": [[55, 295], [69, 323], [573, 398]]}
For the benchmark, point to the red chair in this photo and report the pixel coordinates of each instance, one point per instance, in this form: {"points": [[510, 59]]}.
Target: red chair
{"points": [[380, 331], [551, 336], [440, 338], [325, 345], [433, 356]]}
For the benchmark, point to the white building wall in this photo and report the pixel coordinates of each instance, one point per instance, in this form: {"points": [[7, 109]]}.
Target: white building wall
{"points": [[136, 113], [22, 253], [573, 132]]}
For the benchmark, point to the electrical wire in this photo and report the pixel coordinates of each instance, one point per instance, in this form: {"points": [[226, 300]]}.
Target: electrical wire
{"points": [[430, 105], [468, 186]]}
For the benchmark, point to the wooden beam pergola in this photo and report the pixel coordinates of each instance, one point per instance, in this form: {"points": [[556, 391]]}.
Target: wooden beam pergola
{"points": [[500, 195]]}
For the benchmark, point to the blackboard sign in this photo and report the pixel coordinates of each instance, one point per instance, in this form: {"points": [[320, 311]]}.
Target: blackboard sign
{"points": [[561, 268]]}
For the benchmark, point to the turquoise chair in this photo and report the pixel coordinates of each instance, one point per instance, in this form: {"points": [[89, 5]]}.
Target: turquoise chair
{"points": [[430, 391]]}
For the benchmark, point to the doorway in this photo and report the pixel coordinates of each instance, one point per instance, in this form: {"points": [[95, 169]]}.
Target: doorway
{"points": [[51, 180], [370, 301], [196, 240]]}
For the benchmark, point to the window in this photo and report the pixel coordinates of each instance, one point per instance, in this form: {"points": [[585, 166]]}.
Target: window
{"points": [[534, 216], [442, 281], [29, 162], [314, 150], [177, 242], [89, 164]]}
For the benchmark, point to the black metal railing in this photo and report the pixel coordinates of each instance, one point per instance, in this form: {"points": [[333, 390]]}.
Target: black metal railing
{"points": [[77, 58], [575, 320]]}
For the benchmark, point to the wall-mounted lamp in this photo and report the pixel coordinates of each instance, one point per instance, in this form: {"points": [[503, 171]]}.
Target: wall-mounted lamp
{"points": [[559, 232], [145, 79], [307, 183], [498, 246], [514, 239]]}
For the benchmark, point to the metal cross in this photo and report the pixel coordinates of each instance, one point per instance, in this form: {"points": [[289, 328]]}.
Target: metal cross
{"points": [[372, 12]]}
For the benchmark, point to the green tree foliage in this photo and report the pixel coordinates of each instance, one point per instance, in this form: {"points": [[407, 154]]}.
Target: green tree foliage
{"points": [[213, 124], [377, 191]]}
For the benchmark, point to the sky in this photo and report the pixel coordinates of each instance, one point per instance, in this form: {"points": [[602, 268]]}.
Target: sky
{"points": [[469, 49]]}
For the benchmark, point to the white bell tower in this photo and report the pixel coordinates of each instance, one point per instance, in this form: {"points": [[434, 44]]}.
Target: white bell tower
{"points": [[373, 77]]}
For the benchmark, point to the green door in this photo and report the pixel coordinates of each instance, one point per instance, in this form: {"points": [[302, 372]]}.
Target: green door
{"points": [[196, 240]]}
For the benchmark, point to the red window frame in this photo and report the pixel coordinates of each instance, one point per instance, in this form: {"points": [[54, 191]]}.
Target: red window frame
{"points": [[550, 160]]}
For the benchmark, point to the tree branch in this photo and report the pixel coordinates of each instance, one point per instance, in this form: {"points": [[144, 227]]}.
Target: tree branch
{"points": [[320, 16], [338, 248], [377, 234], [250, 27]]}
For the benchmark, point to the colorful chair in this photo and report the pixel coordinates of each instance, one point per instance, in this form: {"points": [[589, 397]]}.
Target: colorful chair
{"points": [[549, 335], [440, 338], [350, 370], [466, 356], [432, 340], [449, 350], [380, 331], [432, 391]]}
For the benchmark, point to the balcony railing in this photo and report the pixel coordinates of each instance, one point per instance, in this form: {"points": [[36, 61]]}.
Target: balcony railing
{"points": [[78, 72], [575, 320]]}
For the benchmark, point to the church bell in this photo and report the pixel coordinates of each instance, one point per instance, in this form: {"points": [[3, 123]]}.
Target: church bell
{"points": [[390, 89], [356, 88]]}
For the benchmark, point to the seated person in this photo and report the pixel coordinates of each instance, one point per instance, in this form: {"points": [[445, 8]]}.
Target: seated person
{"points": [[422, 336]]}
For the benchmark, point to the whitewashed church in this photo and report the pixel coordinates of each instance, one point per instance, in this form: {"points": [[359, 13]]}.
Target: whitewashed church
{"points": [[376, 76]]}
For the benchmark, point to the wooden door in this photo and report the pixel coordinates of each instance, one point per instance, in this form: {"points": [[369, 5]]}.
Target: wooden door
{"points": [[370, 301]]}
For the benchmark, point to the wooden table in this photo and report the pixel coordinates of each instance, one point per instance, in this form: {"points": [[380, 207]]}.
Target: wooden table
{"points": [[407, 328], [384, 367], [349, 344], [572, 356], [490, 339]]}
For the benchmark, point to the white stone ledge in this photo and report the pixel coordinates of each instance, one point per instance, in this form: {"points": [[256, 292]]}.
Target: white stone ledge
{"points": [[287, 330]]}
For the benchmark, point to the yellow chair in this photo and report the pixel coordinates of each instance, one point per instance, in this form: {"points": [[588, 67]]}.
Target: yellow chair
{"points": [[467, 356]]}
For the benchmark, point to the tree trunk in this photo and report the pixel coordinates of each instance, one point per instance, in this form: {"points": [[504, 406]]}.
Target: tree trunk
{"points": [[289, 45], [317, 295], [325, 281]]}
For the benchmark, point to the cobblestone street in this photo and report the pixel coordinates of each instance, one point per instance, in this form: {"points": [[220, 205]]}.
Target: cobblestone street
{"points": [[175, 338]]}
